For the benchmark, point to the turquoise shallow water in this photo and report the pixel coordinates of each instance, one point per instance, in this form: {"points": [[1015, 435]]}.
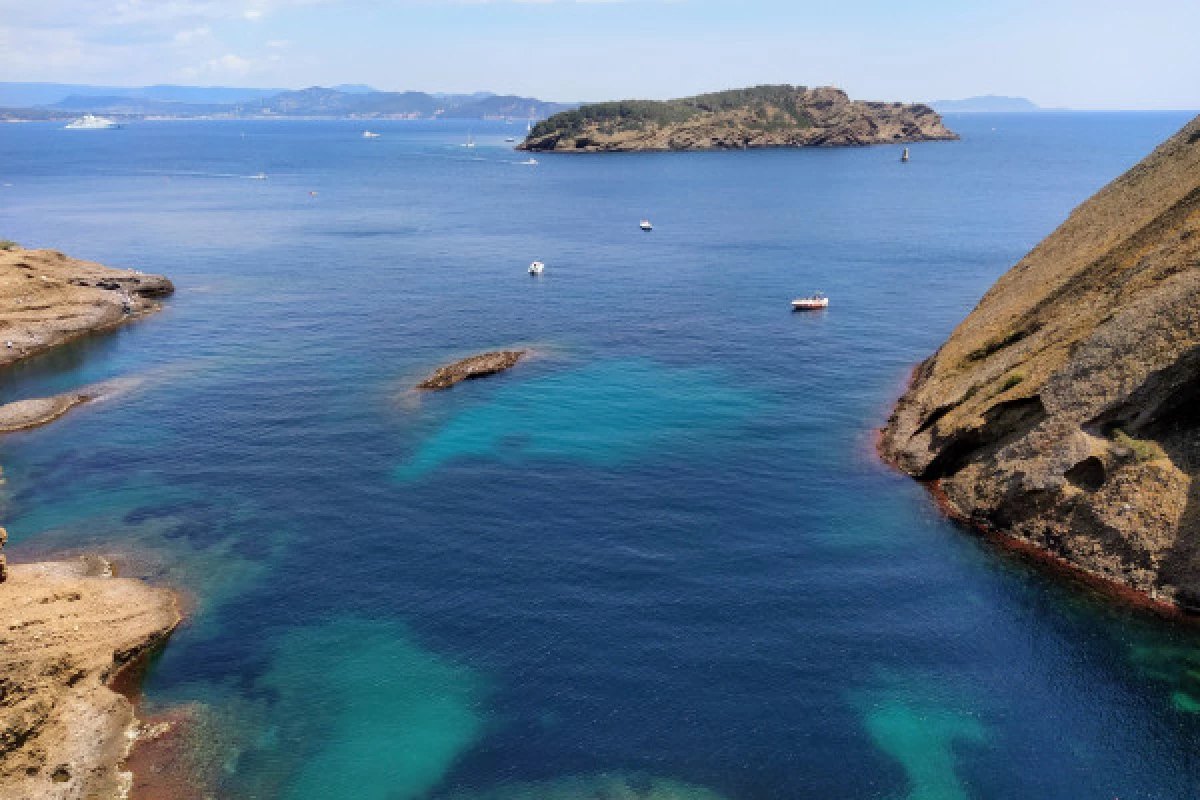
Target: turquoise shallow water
{"points": [[657, 559]]}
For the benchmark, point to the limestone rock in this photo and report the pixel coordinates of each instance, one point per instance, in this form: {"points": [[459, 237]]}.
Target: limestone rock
{"points": [[47, 298], [66, 629], [1065, 409]]}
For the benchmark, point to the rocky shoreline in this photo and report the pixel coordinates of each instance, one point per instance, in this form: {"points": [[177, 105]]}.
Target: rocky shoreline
{"points": [[68, 629], [47, 299], [1062, 411]]}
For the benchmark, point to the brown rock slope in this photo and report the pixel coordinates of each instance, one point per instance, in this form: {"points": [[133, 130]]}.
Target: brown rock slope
{"points": [[1065, 410], [65, 629], [47, 298], [761, 116]]}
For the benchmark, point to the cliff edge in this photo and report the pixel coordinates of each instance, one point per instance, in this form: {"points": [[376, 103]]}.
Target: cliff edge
{"points": [[67, 629], [1065, 409], [761, 116]]}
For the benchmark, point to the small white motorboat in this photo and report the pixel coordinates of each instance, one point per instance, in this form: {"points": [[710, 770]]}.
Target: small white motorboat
{"points": [[536, 268], [510, 138], [815, 302], [529, 162], [645, 225], [370, 135], [262, 176]]}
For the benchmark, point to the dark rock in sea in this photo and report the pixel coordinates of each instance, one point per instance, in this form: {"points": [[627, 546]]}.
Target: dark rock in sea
{"points": [[476, 366], [1065, 410]]}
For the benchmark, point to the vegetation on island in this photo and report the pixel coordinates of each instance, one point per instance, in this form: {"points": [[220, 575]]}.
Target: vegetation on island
{"points": [[770, 108]]}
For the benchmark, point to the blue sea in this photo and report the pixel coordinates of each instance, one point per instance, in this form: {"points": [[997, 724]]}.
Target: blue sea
{"points": [[659, 558]]}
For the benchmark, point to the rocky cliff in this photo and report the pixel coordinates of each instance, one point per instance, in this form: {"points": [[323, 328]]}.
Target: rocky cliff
{"points": [[1065, 409], [762, 116]]}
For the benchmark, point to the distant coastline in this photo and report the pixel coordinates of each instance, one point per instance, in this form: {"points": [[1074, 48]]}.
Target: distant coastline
{"points": [[20, 102]]}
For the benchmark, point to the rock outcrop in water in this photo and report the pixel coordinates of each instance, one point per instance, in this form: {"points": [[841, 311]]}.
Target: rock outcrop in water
{"points": [[1065, 410], [47, 298], [477, 366], [762, 116], [24, 414]]}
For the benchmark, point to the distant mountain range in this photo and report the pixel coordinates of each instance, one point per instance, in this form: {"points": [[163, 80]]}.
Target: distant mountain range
{"points": [[987, 102], [55, 100]]}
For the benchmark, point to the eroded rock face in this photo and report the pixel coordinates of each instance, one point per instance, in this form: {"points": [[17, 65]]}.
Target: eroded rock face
{"points": [[47, 298], [801, 117], [1065, 410], [66, 628], [470, 368]]}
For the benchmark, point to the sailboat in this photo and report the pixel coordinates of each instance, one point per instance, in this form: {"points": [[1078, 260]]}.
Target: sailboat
{"points": [[470, 142], [904, 155]]}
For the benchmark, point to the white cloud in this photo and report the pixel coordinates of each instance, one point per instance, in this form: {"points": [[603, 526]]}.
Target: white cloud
{"points": [[191, 35], [231, 63], [254, 14]]}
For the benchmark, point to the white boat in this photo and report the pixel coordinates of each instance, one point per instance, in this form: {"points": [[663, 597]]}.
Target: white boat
{"points": [[904, 155], [528, 161], [470, 142], [645, 225], [90, 122], [370, 135], [815, 302], [262, 176], [509, 139], [536, 268]]}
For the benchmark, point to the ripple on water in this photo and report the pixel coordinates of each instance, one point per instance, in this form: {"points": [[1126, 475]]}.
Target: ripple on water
{"points": [[603, 414]]}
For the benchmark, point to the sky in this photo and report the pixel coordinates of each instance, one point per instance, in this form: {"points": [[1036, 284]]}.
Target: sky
{"points": [[1084, 54]]}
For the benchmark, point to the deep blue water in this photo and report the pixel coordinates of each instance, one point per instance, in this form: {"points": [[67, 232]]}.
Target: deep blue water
{"points": [[660, 554]]}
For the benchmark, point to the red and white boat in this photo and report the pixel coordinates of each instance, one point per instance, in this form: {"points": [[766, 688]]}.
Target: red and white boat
{"points": [[814, 303]]}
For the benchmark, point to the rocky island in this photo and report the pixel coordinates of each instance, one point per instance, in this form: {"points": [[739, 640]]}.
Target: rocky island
{"points": [[477, 366], [761, 116], [67, 629], [1064, 410]]}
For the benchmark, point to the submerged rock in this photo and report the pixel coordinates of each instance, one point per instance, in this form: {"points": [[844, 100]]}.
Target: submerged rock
{"points": [[470, 368], [605, 786], [1065, 410]]}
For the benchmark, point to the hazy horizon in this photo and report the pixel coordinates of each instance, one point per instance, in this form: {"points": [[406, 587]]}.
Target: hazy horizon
{"points": [[1057, 53]]}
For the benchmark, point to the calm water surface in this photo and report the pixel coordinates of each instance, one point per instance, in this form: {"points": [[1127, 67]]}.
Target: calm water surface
{"points": [[659, 555]]}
